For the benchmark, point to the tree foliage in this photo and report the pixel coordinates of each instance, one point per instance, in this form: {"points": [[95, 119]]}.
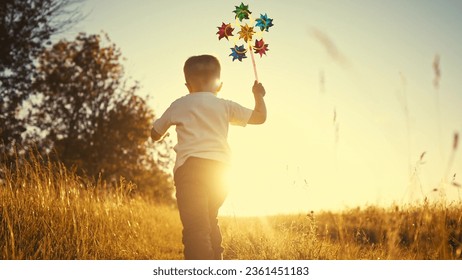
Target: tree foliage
{"points": [[91, 118], [25, 27]]}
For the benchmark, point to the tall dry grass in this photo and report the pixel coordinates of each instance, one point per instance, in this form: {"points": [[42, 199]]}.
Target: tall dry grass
{"points": [[428, 231], [48, 212]]}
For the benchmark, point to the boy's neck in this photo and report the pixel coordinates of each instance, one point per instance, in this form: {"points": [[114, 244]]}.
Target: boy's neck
{"points": [[204, 91]]}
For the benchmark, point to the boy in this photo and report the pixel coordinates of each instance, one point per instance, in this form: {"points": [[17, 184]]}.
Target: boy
{"points": [[202, 151]]}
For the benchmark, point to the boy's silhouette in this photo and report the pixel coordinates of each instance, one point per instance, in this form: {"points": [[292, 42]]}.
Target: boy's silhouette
{"points": [[202, 152]]}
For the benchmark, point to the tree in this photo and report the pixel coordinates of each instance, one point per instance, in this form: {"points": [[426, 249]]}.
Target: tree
{"points": [[25, 27], [91, 118]]}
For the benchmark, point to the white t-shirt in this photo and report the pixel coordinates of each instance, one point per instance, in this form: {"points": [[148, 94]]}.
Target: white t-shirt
{"points": [[202, 121]]}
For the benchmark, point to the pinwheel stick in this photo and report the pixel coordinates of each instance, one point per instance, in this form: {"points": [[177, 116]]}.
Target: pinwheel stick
{"points": [[253, 63]]}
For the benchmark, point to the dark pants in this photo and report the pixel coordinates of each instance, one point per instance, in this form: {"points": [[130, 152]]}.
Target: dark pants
{"points": [[200, 191]]}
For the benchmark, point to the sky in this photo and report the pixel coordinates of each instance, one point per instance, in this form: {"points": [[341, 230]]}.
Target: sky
{"points": [[362, 61]]}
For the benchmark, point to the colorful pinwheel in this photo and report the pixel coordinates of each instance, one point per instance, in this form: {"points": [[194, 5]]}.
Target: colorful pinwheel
{"points": [[225, 31], [238, 53], [242, 12], [249, 29], [246, 33], [264, 22], [260, 47]]}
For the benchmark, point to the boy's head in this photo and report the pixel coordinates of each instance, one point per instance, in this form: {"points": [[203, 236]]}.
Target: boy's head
{"points": [[202, 73]]}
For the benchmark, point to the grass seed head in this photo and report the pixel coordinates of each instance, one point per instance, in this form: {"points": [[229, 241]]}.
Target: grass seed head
{"points": [[456, 141], [437, 71]]}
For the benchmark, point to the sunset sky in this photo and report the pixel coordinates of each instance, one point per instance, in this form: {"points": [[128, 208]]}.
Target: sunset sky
{"points": [[359, 58]]}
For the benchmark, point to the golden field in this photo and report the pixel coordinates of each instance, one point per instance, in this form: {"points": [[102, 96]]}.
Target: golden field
{"points": [[48, 212]]}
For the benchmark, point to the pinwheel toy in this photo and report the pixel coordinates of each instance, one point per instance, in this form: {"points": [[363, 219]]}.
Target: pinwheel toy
{"points": [[249, 29]]}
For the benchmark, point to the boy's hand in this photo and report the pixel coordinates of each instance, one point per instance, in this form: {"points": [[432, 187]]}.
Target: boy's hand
{"points": [[258, 89], [259, 112], [154, 135]]}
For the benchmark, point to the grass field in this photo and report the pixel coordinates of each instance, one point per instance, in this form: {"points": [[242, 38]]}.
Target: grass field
{"points": [[48, 212]]}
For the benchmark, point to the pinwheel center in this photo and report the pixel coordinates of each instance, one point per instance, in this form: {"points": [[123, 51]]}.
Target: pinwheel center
{"points": [[241, 52], [227, 32]]}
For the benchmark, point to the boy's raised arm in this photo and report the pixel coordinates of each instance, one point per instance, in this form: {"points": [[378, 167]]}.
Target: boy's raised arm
{"points": [[259, 112]]}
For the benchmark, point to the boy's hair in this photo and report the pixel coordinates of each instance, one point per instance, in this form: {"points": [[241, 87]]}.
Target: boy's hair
{"points": [[201, 69]]}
